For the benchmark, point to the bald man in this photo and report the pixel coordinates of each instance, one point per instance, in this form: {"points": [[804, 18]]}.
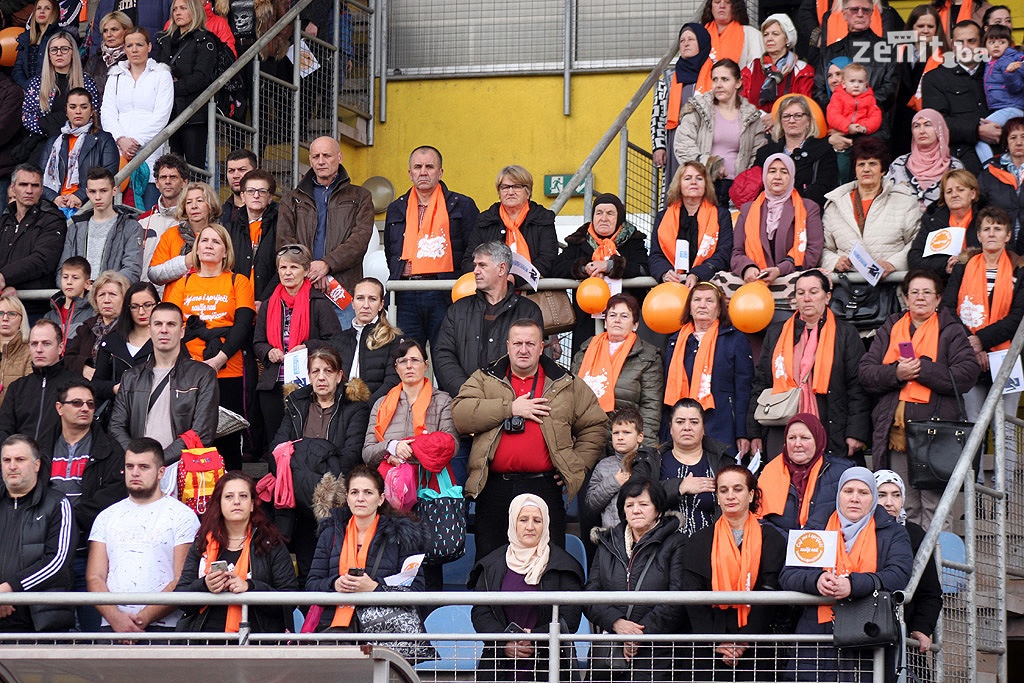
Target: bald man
{"points": [[332, 217]]}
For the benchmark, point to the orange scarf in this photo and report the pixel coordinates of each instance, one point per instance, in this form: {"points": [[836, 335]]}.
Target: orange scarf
{"points": [[352, 555], [605, 246], [513, 235], [707, 232], [972, 301], [964, 222], [427, 245], [837, 28], [725, 45], [1003, 176], [677, 384], [926, 343], [774, 482], [934, 61], [966, 12], [784, 366], [387, 408], [752, 232], [862, 558], [234, 618], [675, 103], [600, 369], [734, 568]]}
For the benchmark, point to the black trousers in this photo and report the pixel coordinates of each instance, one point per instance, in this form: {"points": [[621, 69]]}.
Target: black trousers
{"points": [[493, 502]]}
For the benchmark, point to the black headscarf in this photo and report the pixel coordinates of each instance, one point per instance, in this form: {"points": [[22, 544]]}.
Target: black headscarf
{"points": [[688, 68]]}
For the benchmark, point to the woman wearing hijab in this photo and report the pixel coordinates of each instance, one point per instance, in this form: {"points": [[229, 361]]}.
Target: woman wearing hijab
{"points": [[872, 546], [777, 235], [928, 160], [674, 90], [798, 488], [528, 563]]}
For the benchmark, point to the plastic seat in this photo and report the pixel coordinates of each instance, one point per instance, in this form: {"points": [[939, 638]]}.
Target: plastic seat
{"points": [[453, 655], [456, 573], [953, 549], [574, 546]]}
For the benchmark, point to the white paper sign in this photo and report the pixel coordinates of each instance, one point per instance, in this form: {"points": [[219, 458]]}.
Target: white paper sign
{"points": [[865, 265], [408, 574], [308, 62], [1015, 382], [615, 287], [682, 262], [524, 269], [949, 241], [811, 548], [296, 370]]}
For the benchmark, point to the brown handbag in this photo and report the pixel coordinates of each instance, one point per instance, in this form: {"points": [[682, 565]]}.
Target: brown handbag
{"points": [[556, 307]]}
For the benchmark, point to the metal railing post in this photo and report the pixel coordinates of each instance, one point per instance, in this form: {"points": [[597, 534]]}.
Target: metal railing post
{"points": [[254, 107], [382, 9], [970, 557], [296, 97], [336, 69], [567, 60], [554, 646], [999, 431], [623, 161], [211, 143], [878, 665]]}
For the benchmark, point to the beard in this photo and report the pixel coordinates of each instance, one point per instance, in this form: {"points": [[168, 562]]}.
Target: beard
{"points": [[141, 492]]}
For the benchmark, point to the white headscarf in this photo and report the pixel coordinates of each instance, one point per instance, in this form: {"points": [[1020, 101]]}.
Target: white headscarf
{"points": [[890, 477], [530, 562], [852, 529]]}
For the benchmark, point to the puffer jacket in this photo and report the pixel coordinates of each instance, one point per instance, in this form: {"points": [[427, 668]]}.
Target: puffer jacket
{"points": [[890, 226], [28, 406], [98, 149], [349, 223], [575, 432], [697, 131], [462, 216], [538, 230], [121, 252], [641, 384], [823, 500], [15, 363], [324, 330], [193, 61], [30, 250], [376, 366], [438, 419]]}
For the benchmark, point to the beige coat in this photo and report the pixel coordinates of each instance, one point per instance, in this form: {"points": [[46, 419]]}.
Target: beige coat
{"points": [[697, 131], [439, 419], [890, 226], [575, 432], [15, 363]]}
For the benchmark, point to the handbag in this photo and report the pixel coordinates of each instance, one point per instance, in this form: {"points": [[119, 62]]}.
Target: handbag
{"points": [[199, 470], [556, 308], [775, 410], [607, 655], [934, 446], [870, 621], [394, 619], [863, 306], [443, 513]]}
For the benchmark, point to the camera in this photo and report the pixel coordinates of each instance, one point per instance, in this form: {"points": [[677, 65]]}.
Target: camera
{"points": [[514, 425]]}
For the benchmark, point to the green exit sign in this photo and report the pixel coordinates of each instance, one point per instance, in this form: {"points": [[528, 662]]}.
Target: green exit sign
{"points": [[554, 184]]}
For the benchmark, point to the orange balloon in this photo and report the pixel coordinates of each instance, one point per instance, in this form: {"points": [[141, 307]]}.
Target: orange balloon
{"points": [[816, 113], [663, 307], [464, 286], [9, 44], [752, 307], [593, 294]]}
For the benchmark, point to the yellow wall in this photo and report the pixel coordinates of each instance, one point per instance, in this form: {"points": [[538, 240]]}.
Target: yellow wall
{"points": [[483, 124]]}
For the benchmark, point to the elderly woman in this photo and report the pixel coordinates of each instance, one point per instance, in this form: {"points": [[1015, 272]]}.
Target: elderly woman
{"points": [[197, 209], [516, 220], [999, 183], [798, 487], [645, 544], [529, 563], [622, 369], [15, 361], [691, 214], [296, 316], [778, 235], [732, 37], [881, 216], [607, 247], [795, 133], [928, 160], [129, 343], [719, 128], [220, 333], [44, 109], [739, 553], [815, 353], [709, 361], [912, 386], [368, 347], [106, 297], [956, 208], [912, 62], [675, 88], [778, 71], [922, 613], [111, 50], [872, 547]]}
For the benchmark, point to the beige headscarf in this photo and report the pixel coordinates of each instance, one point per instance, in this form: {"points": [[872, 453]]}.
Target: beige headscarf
{"points": [[530, 562]]}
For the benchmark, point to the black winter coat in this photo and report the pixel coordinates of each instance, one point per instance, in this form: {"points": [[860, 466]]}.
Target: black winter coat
{"points": [[1006, 193], [997, 331], [28, 406], [324, 331], [845, 410], [936, 217], [960, 98], [823, 500], [347, 426], [538, 230], [376, 366], [193, 61], [261, 262], [922, 613], [112, 359], [816, 167], [462, 217], [12, 134], [270, 570], [98, 149], [718, 261], [30, 252]]}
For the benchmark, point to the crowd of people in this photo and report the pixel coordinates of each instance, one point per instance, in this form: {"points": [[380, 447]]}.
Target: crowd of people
{"points": [[173, 305]]}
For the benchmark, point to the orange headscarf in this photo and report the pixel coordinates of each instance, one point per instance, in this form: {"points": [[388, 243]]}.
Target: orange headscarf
{"points": [[972, 300], [600, 369], [707, 232], [234, 617], [783, 364], [513, 235], [862, 558], [725, 45], [352, 555], [428, 245], [677, 384], [387, 408], [752, 232], [926, 343], [734, 568]]}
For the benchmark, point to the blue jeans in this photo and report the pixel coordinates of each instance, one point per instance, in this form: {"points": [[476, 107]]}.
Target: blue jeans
{"points": [[420, 315], [1001, 116], [346, 316]]}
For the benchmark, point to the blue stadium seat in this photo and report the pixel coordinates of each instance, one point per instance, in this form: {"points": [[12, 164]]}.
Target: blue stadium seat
{"points": [[953, 550], [574, 546], [453, 655], [583, 646], [457, 573]]}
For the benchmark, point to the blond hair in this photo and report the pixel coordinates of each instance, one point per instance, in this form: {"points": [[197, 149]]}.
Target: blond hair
{"points": [[229, 257], [48, 78]]}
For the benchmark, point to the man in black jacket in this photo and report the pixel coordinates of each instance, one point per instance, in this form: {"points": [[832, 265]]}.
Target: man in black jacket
{"points": [[253, 230], [37, 542], [28, 403]]}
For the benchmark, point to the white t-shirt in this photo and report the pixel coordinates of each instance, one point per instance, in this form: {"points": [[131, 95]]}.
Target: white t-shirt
{"points": [[140, 542]]}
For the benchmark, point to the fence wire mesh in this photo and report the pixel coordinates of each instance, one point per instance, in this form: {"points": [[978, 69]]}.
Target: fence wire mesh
{"points": [[643, 190]]}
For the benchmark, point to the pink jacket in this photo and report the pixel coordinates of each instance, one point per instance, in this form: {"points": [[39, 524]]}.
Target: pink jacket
{"points": [[845, 109]]}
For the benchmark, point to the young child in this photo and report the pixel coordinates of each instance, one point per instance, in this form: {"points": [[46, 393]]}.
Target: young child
{"points": [[614, 470], [1004, 81], [853, 111], [69, 307]]}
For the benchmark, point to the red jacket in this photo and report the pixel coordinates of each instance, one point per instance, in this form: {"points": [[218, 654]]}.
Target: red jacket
{"points": [[799, 81], [845, 109]]}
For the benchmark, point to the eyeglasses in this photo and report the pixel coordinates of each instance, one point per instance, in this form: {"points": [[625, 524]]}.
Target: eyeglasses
{"points": [[77, 403], [794, 116], [148, 306], [59, 49], [409, 361], [914, 293], [858, 10], [289, 249], [10, 314], [511, 188], [256, 191]]}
